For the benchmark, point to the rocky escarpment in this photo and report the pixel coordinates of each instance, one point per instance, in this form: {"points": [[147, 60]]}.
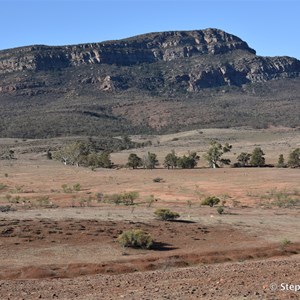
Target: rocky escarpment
{"points": [[197, 59], [147, 48]]}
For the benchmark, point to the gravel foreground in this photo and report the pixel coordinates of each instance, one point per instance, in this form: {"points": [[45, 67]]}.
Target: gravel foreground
{"points": [[242, 280]]}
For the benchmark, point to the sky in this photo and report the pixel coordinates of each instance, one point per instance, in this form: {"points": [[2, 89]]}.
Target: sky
{"points": [[271, 27]]}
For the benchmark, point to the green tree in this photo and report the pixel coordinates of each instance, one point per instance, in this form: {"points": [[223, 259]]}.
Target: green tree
{"points": [[215, 152], [72, 154], [257, 157], [294, 158], [80, 154], [104, 160], [244, 158], [171, 160], [134, 161], [281, 163], [150, 161], [188, 162]]}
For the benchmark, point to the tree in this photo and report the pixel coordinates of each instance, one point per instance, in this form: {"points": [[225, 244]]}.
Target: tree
{"points": [[80, 154], [104, 160], [188, 162], [257, 158], [150, 160], [281, 163], [244, 158], [215, 152], [171, 160], [294, 158], [134, 161], [72, 154]]}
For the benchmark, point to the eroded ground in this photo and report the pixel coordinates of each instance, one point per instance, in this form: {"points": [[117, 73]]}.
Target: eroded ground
{"points": [[59, 239]]}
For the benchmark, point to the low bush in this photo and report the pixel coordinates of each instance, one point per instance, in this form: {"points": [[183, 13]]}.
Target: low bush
{"points": [[220, 210], [135, 238], [166, 214], [211, 201], [66, 188], [158, 179], [284, 243], [126, 198], [2, 186], [6, 208], [77, 187]]}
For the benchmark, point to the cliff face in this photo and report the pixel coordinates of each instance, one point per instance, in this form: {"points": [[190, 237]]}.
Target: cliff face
{"points": [[217, 47], [102, 79], [147, 48]]}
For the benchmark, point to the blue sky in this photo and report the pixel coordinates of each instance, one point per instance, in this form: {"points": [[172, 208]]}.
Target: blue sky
{"points": [[271, 27]]}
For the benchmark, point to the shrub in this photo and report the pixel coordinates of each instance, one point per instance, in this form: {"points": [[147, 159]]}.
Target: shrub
{"points": [[220, 210], [126, 198], [166, 214], [6, 208], [150, 200], [77, 187], [284, 243], [211, 201], [66, 188], [158, 179], [135, 238], [2, 186], [43, 201]]}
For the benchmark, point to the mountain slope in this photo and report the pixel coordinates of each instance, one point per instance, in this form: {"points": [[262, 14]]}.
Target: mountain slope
{"points": [[154, 82]]}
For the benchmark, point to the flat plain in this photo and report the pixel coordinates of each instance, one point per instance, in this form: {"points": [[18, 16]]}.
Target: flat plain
{"points": [[60, 239]]}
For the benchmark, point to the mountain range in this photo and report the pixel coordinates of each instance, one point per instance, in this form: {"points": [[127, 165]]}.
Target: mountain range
{"points": [[151, 83]]}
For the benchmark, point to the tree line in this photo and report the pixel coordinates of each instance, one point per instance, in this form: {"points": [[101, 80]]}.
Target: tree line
{"points": [[86, 154]]}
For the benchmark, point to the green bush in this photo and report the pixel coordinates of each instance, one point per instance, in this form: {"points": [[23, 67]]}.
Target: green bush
{"points": [[220, 210], [43, 201], [77, 187], [2, 186], [135, 238], [150, 200], [126, 198], [157, 179], [211, 201], [66, 188], [166, 214], [284, 243]]}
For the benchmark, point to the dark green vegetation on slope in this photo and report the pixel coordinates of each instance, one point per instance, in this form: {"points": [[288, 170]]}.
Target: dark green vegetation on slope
{"points": [[160, 82]]}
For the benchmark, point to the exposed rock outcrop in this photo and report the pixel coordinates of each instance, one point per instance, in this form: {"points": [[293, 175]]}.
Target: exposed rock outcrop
{"points": [[206, 58]]}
